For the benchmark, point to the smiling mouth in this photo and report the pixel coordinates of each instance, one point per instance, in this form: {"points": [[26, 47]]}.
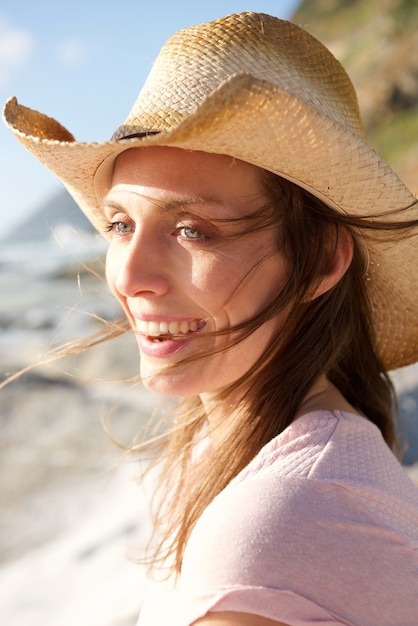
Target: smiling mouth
{"points": [[175, 329]]}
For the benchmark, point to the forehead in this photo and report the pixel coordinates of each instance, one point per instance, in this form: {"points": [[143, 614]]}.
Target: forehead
{"points": [[172, 176]]}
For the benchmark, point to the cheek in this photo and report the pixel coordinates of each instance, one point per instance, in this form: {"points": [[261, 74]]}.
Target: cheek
{"points": [[249, 293], [111, 269], [215, 284]]}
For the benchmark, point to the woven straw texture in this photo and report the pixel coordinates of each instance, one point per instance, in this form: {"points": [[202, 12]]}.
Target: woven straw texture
{"points": [[264, 91]]}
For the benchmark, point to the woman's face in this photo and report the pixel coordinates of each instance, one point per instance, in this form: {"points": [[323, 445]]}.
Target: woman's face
{"points": [[181, 266]]}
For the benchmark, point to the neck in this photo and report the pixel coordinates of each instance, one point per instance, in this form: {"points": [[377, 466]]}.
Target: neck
{"points": [[225, 414], [324, 396]]}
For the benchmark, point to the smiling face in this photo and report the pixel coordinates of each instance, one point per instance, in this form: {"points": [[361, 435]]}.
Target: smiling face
{"points": [[183, 263]]}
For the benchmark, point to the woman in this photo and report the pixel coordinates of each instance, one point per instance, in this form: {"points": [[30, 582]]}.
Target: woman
{"points": [[265, 259]]}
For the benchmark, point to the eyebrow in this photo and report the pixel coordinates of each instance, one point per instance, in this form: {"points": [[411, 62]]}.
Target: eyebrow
{"points": [[174, 205]]}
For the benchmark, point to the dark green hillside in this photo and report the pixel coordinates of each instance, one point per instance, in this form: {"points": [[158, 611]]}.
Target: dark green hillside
{"points": [[377, 42]]}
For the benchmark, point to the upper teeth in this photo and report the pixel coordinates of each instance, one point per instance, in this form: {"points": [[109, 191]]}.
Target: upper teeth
{"points": [[155, 329]]}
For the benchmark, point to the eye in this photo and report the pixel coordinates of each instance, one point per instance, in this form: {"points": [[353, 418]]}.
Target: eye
{"points": [[190, 232], [120, 228]]}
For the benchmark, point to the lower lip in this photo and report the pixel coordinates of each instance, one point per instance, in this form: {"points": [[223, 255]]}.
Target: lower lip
{"points": [[160, 349]]}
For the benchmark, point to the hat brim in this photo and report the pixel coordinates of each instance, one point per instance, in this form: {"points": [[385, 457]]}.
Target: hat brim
{"points": [[310, 149]]}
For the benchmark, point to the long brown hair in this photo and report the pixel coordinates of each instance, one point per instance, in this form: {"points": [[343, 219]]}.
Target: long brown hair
{"points": [[331, 334]]}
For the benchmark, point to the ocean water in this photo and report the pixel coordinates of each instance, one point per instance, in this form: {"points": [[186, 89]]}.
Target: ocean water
{"points": [[45, 287]]}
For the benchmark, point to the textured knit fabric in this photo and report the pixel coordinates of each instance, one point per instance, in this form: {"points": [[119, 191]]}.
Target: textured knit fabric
{"points": [[320, 528]]}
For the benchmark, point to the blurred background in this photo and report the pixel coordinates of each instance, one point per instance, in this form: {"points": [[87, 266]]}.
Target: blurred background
{"points": [[70, 510]]}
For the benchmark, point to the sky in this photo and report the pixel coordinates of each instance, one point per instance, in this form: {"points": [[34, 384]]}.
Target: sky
{"points": [[83, 62]]}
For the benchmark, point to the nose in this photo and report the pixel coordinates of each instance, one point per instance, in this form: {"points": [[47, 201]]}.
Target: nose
{"points": [[139, 266]]}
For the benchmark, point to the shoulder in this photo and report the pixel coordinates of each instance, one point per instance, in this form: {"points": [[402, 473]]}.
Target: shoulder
{"points": [[262, 516], [322, 445], [285, 520]]}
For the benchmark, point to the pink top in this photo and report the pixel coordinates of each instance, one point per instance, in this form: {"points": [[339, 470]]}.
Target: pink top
{"points": [[321, 527]]}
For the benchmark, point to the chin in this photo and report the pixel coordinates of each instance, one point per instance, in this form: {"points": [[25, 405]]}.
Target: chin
{"points": [[169, 384]]}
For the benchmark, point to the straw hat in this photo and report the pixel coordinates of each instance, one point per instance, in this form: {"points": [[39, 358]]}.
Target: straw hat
{"points": [[264, 91]]}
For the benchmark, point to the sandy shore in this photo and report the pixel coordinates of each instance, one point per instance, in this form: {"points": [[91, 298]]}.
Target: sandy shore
{"points": [[84, 575], [72, 512]]}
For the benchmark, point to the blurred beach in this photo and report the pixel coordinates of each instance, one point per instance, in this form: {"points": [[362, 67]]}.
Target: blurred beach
{"points": [[72, 512]]}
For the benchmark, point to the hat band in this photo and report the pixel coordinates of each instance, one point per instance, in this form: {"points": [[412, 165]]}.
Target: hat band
{"points": [[140, 135]]}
